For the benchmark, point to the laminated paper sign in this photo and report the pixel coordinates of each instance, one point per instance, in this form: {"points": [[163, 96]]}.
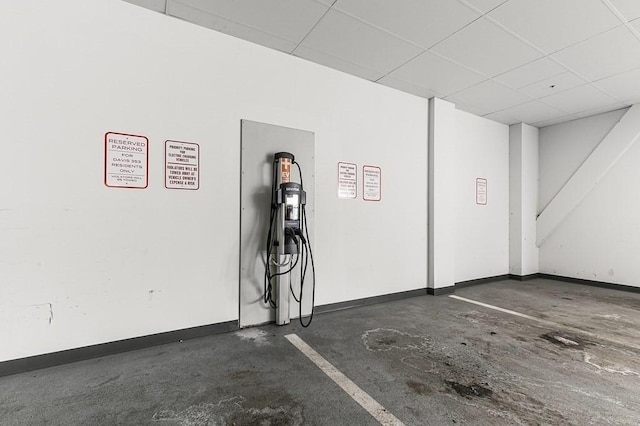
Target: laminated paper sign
{"points": [[481, 191], [182, 165], [347, 180], [372, 183], [126, 160]]}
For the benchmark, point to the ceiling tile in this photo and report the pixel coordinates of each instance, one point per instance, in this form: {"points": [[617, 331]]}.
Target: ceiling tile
{"points": [[624, 87], [488, 97], [157, 5], [484, 5], [553, 85], [422, 22], [437, 74], [408, 87], [530, 73], [551, 24], [607, 54], [337, 63], [486, 48], [531, 112], [273, 18], [502, 117], [630, 9], [555, 120], [600, 110], [579, 99], [347, 38], [198, 17]]}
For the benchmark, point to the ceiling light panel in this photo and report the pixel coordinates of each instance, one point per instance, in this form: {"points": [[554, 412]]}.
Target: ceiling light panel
{"points": [[486, 48], [607, 54], [437, 74], [424, 23], [552, 25], [347, 38]]}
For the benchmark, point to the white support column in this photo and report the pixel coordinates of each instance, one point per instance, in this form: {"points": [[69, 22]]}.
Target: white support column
{"points": [[523, 199], [442, 139], [595, 167]]}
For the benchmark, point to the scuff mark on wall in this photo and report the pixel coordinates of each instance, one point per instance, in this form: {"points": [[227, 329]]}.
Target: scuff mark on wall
{"points": [[50, 313]]}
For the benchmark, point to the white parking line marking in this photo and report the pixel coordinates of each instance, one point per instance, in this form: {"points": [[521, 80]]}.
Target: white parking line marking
{"points": [[551, 324], [361, 397], [507, 311]]}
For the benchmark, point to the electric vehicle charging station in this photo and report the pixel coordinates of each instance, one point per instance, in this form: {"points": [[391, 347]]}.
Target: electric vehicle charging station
{"points": [[283, 212], [286, 244]]}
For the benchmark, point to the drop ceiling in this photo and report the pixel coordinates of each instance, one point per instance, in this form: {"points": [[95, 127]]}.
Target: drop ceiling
{"points": [[535, 61]]}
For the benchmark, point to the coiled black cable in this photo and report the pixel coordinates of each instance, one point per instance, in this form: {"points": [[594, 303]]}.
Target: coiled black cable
{"points": [[269, 243], [307, 244]]}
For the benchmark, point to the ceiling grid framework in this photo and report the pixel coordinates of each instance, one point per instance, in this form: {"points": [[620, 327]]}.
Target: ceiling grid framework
{"points": [[539, 62]]}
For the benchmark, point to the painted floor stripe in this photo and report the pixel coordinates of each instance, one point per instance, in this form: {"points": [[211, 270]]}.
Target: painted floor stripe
{"points": [[551, 324], [497, 308], [361, 397]]}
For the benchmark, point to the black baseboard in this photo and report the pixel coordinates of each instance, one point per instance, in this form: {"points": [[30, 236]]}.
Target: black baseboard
{"points": [[95, 351], [592, 283], [469, 283], [442, 291], [331, 307], [80, 354], [524, 277]]}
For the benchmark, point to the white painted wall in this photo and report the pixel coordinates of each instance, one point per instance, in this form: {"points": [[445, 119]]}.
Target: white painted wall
{"points": [[600, 239], [82, 264], [482, 231], [442, 187], [523, 199], [565, 148]]}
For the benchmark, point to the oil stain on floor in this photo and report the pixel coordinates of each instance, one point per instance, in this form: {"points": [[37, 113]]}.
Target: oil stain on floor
{"points": [[463, 373]]}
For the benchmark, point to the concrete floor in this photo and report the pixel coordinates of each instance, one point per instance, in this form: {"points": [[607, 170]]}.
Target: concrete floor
{"points": [[428, 360]]}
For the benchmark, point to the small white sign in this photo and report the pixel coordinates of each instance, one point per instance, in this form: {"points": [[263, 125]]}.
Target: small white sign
{"points": [[182, 165], [347, 180], [481, 191], [126, 160], [372, 183]]}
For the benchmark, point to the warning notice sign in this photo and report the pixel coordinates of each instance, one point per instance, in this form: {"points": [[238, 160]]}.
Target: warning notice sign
{"points": [[481, 191], [372, 183], [347, 180], [182, 165], [126, 160]]}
